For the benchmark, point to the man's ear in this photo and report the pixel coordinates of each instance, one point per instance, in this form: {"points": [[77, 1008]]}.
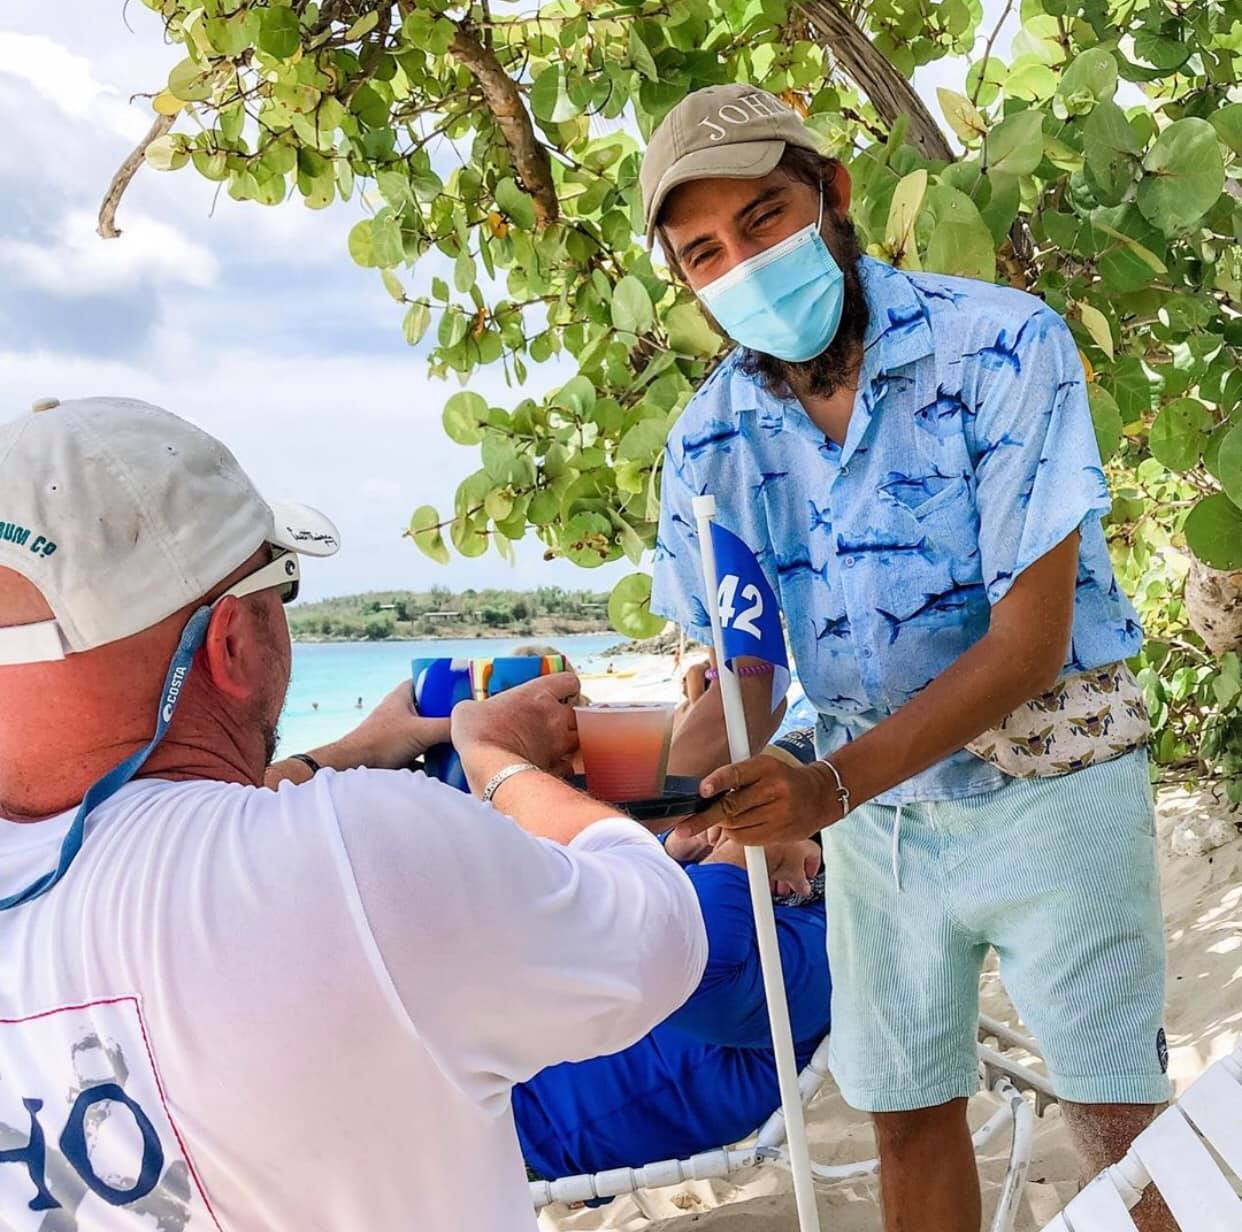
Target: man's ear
{"points": [[230, 643], [839, 188]]}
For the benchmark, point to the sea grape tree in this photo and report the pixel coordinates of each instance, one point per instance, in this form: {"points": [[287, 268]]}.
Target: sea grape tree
{"points": [[1097, 163]]}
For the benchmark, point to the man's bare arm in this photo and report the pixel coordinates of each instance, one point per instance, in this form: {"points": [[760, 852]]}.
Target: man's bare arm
{"points": [[1018, 658]]}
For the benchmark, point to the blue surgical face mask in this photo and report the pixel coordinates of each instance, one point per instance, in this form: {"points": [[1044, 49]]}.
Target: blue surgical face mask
{"points": [[786, 301]]}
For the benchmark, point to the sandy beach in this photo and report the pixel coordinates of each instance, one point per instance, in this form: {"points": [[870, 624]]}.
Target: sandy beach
{"points": [[1202, 889]]}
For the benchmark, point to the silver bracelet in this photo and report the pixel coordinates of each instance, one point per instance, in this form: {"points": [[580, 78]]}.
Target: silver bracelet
{"points": [[843, 792], [501, 777]]}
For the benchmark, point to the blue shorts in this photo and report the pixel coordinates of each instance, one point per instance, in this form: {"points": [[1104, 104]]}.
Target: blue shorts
{"points": [[1058, 875]]}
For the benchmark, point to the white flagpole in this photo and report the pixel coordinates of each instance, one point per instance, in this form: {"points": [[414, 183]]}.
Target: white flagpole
{"points": [[761, 899]]}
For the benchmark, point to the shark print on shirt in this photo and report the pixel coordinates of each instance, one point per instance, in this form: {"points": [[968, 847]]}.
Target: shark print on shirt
{"points": [[969, 454]]}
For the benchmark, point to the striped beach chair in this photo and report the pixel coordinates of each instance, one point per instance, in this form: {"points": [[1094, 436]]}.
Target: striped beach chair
{"points": [[1181, 1154]]}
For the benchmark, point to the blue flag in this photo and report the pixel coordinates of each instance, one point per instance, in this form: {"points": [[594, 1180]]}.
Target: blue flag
{"points": [[750, 616]]}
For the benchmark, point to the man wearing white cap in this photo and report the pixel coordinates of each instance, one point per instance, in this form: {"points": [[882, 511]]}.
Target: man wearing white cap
{"points": [[227, 1006]]}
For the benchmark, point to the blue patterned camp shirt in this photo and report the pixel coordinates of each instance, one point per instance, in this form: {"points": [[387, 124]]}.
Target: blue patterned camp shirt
{"points": [[969, 455]]}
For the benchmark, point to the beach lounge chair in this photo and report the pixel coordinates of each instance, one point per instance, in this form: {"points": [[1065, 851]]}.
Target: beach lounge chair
{"points": [[1173, 1154], [1011, 1080]]}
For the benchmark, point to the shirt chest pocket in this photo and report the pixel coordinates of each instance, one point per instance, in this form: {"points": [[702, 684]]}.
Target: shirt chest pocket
{"points": [[927, 594], [946, 519]]}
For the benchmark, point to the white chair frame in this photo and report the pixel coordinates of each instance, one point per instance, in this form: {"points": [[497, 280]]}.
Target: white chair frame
{"points": [[1172, 1155], [1008, 1079]]}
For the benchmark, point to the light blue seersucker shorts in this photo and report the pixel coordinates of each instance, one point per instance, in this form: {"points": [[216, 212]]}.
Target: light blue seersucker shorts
{"points": [[1059, 876]]}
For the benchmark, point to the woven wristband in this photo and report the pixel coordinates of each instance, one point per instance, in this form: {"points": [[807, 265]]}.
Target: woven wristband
{"points": [[751, 669]]}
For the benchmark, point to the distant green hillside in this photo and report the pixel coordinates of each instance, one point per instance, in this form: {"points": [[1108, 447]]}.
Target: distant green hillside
{"points": [[381, 614]]}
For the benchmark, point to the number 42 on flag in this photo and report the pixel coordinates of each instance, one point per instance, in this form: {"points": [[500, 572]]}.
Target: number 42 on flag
{"points": [[750, 616]]}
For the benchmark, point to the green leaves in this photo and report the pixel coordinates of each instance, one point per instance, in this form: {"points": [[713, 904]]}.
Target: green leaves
{"points": [[1111, 150], [279, 34], [1180, 433], [360, 244], [903, 212], [1227, 121], [463, 417], [640, 57], [631, 306], [549, 98], [1090, 79], [576, 395], [963, 116], [515, 203], [1183, 174], [1016, 145], [189, 82], [1214, 532], [387, 246], [166, 153], [416, 320], [958, 240], [1106, 418], [1229, 464], [985, 77], [425, 531], [587, 540], [464, 272], [689, 332], [1096, 324], [629, 608]]}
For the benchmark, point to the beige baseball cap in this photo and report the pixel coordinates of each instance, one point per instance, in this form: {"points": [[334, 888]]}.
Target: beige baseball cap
{"points": [[733, 132], [121, 514]]}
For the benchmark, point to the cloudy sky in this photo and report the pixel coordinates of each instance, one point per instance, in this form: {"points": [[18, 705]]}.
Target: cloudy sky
{"points": [[252, 322]]}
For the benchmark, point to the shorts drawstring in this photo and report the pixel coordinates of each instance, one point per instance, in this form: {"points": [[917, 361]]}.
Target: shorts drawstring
{"points": [[897, 848]]}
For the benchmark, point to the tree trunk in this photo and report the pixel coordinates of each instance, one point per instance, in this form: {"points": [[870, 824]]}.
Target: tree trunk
{"points": [[1214, 606], [890, 93], [893, 96]]}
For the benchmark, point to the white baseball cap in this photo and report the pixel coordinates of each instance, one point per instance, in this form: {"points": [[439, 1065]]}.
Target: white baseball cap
{"points": [[121, 514]]}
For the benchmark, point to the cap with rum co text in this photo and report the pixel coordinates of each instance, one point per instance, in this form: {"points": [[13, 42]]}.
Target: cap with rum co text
{"points": [[120, 514]]}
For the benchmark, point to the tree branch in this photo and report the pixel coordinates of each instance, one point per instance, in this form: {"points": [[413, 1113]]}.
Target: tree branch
{"points": [[890, 93], [107, 227], [500, 93], [892, 96], [987, 54]]}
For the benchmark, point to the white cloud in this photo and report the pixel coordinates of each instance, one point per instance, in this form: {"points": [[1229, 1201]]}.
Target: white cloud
{"points": [[77, 263], [66, 80], [356, 436]]}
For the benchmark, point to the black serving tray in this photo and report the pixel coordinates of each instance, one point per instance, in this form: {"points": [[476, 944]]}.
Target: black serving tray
{"points": [[681, 797]]}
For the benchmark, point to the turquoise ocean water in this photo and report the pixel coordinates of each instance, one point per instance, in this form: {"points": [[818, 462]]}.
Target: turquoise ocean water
{"points": [[336, 674]]}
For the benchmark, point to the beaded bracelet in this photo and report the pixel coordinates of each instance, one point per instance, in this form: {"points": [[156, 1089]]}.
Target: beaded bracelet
{"points": [[751, 669]]}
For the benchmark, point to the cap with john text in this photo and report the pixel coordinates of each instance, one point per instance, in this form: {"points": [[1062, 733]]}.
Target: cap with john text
{"points": [[734, 132]]}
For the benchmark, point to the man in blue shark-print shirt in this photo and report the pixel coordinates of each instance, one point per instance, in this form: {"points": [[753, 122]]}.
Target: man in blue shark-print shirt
{"points": [[911, 457]]}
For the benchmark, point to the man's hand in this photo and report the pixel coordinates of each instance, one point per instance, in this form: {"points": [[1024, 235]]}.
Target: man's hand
{"points": [[391, 737], [533, 723], [767, 801]]}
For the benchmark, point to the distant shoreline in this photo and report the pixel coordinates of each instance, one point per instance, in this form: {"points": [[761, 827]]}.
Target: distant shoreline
{"points": [[455, 637]]}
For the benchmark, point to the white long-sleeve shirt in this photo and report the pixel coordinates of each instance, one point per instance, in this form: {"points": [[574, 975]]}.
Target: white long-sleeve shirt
{"points": [[250, 1010]]}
